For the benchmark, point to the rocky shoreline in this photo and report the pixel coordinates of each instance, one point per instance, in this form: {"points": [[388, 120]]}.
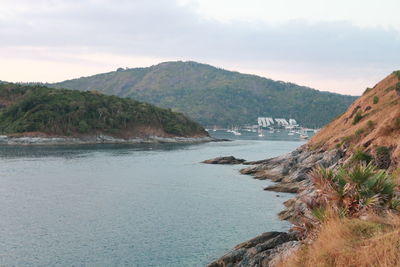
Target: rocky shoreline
{"points": [[99, 139], [290, 172]]}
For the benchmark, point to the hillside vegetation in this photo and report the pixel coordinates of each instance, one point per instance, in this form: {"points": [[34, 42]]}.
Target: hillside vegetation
{"points": [[371, 125], [68, 112], [354, 208], [212, 96]]}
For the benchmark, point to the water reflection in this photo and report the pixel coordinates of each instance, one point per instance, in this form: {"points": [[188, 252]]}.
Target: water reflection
{"points": [[74, 151]]}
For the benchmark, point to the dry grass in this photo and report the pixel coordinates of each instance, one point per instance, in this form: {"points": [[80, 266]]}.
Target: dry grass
{"points": [[381, 127], [352, 242]]}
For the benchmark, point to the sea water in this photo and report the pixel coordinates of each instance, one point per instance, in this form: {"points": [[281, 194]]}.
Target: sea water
{"points": [[132, 205]]}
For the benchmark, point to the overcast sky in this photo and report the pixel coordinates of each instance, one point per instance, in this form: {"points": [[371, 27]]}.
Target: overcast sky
{"points": [[342, 46]]}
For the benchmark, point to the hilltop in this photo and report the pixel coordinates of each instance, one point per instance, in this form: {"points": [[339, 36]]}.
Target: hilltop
{"points": [[42, 111], [212, 95]]}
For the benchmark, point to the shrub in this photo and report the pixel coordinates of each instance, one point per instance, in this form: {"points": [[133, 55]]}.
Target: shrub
{"points": [[376, 100], [396, 123], [397, 73], [352, 192], [83, 126], [361, 156], [397, 87], [357, 117], [382, 157], [367, 90], [359, 133], [347, 140], [370, 124]]}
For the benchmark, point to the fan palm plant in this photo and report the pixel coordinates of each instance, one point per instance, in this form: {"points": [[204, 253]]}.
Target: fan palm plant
{"points": [[352, 191]]}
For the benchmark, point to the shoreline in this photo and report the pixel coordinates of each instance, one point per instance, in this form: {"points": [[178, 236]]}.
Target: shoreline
{"points": [[6, 140], [290, 174]]}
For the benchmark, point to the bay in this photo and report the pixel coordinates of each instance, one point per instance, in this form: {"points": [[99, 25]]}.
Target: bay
{"points": [[132, 205]]}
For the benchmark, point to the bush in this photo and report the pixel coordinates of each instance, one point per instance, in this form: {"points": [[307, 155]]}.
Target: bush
{"points": [[361, 156], [382, 157], [359, 133], [396, 123], [352, 192], [83, 126], [370, 124], [347, 139], [357, 117], [397, 88], [367, 90], [376, 100]]}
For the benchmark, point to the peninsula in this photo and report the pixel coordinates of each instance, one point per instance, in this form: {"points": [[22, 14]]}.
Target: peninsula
{"points": [[33, 114]]}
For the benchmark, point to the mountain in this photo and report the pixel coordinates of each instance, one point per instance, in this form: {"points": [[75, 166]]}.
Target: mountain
{"points": [[371, 125], [39, 109], [212, 96]]}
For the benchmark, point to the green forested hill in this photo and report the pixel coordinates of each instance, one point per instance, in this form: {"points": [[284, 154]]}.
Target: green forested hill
{"points": [[26, 108], [216, 96]]}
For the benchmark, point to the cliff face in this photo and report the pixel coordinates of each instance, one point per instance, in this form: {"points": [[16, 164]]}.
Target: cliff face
{"points": [[372, 121]]}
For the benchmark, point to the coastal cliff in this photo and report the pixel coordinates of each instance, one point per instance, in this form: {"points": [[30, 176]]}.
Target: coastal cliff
{"points": [[368, 133]]}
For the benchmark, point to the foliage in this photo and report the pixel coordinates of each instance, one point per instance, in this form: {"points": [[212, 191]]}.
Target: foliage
{"points": [[361, 156], [359, 132], [397, 73], [215, 96], [382, 157], [352, 191], [55, 111], [367, 90], [376, 100], [397, 88], [357, 117], [396, 123], [370, 124]]}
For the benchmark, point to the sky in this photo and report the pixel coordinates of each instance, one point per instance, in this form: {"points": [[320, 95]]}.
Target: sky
{"points": [[338, 46]]}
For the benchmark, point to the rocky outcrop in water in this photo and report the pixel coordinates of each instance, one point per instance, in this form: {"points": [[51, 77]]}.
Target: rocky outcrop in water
{"points": [[259, 251], [224, 160], [290, 172]]}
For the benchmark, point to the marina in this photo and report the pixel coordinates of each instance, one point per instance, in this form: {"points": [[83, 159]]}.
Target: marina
{"points": [[268, 127]]}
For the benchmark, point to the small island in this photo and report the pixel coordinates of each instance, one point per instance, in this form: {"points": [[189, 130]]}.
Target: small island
{"points": [[36, 114]]}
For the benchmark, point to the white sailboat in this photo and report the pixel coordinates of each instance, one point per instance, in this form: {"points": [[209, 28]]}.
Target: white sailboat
{"points": [[260, 132]]}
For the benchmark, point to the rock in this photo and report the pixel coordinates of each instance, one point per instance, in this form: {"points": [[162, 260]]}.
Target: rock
{"points": [[224, 160], [255, 252], [286, 188], [290, 171]]}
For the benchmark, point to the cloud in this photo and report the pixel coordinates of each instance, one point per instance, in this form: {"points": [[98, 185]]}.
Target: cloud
{"points": [[165, 29]]}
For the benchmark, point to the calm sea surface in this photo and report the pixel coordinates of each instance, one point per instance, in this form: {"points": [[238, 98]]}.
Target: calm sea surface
{"points": [[136, 205]]}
